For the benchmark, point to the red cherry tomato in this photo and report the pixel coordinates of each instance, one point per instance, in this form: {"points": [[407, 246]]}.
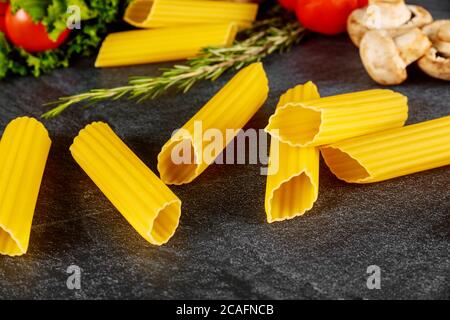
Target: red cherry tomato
{"points": [[363, 3], [2, 24], [326, 16], [288, 4], [24, 33], [3, 7]]}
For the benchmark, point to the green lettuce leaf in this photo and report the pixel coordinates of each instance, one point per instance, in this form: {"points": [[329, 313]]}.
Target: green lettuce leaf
{"points": [[96, 15]]}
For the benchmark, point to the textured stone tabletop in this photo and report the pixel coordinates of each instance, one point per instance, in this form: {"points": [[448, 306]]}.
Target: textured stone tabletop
{"points": [[223, 247]]}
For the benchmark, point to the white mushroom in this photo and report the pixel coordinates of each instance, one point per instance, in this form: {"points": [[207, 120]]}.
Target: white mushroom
{"points": [[436, 62], [412, 45], [394, 16], [442, 43], [387, 14], [386, 58]]}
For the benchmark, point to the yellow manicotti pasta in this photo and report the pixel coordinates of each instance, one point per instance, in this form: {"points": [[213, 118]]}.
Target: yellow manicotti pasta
{"points": [[158, 45], [331, 119], [24, 150], [392, 153], [293, 175], [139, 195], [169, 13], [188, 153]]}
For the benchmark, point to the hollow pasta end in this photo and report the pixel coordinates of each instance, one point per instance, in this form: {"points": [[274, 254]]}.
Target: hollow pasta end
{"points": [[344, 166], [166, 223], [178, 162], [295, 124]]}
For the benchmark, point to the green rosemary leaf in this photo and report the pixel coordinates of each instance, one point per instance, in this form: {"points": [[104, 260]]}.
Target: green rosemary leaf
{"points": [[264, 38]]}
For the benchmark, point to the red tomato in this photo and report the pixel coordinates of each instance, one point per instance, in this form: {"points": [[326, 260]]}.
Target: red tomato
{"points": [[288, 4], [326, 16], [363, 3], [2, 24], [24, 33], [3, 6]]}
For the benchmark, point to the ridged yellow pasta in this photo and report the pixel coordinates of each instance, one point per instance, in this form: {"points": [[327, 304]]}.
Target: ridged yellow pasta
{"points": [[139, 195], [340, 117], [169, 13], [230, 109], [293, 179], [149, 46], [390, 154], [24, 149]]}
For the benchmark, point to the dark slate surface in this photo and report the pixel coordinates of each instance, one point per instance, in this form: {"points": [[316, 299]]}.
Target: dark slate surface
{"points": [[223, 247]]}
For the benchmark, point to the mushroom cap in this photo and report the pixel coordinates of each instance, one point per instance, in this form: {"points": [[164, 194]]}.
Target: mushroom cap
{"points": [[435, 65], [436, 62], [412, 45], [381, 58], [444, 31], [433, 30], [357, 23], [387, 14], [439, 34]]}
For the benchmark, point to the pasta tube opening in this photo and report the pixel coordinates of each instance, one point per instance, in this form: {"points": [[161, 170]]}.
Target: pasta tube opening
{"points": [[344, 166], [165, 223], [138, 194], [9, 244], [335, 118], [24, 149], [167, 44], [182, 171], [293, 180], [198, 143], [391, 153], [292, 198], [304, 130], [169, 13], [138, 11]]}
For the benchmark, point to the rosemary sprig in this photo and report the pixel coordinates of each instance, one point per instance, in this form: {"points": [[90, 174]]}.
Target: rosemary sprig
{"points": [[264, 38]]}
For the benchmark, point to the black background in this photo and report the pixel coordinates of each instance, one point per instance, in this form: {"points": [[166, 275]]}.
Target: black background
{"points": [[224, 248]]}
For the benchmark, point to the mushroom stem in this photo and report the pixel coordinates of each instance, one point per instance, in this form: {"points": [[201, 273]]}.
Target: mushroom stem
{"points": [[412, 45], [444, 32], [442, 43]]}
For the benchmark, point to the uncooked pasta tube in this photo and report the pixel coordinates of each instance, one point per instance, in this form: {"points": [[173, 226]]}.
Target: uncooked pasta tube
{"points": [[195, 146], [169, 13], [390, 154], [24, 149], [149, 46], [293, 179], [140, 196], [335, 118]]}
